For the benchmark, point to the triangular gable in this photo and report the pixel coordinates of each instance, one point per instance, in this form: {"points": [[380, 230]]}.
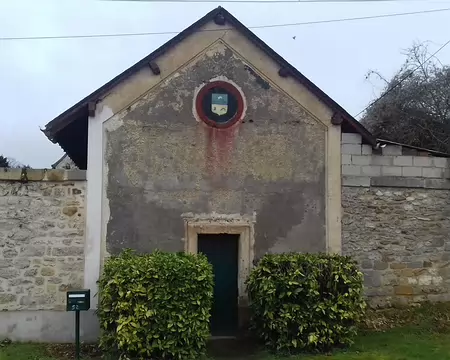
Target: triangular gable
{"points": [[69, 129]]}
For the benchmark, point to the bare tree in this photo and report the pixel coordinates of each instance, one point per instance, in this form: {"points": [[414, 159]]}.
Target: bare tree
{"points": [[414, 107], [3, 162], [8, 162]]}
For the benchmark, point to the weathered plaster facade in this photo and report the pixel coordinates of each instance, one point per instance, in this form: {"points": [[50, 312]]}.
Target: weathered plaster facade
{"points": [[175, 167], [163, 163], [163, 166]]}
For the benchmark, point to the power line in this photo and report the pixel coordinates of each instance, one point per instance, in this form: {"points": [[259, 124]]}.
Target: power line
{"points": [[262, 1], [402, 80], [222, 29]]}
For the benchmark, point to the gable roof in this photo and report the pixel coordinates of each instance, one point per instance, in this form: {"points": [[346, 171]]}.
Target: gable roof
{"points": [[70, 128], [64, 160]]}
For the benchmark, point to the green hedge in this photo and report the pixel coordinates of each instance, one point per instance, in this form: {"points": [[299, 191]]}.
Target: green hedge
{"points": [[305, 301], [155, 306]]}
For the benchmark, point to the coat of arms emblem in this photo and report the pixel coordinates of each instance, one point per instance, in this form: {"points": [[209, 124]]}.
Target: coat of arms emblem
{"points": [[219, 104]]}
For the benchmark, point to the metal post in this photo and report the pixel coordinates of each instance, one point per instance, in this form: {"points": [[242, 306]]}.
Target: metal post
{"points": [[77, 335]]}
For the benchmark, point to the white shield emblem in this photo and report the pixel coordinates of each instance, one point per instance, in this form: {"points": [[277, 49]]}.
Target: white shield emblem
{"points": [[219, 103]]}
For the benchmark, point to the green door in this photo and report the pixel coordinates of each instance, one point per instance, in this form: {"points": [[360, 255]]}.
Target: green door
{"points": [[222, 252]]}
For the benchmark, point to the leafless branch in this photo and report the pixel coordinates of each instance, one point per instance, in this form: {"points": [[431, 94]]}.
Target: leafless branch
{"points": [[415, 105]]}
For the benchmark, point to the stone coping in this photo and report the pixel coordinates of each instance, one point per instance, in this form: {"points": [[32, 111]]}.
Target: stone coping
{"points": [[51, 175], [393, 181]]}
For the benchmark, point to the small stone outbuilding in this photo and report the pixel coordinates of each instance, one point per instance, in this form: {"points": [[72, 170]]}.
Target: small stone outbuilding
{"points": [[214, 143]]}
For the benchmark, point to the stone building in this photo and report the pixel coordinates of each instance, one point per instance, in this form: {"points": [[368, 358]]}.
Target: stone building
{"points": [[214, 143], [64, 162]]}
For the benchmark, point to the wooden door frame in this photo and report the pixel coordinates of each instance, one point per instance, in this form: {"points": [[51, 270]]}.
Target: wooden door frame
{"points": [[226, 225]]}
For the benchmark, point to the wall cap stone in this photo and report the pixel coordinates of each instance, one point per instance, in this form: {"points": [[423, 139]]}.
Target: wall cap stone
{"points": [[395, 181], [356, 181], [409, 182], [51, 175]]}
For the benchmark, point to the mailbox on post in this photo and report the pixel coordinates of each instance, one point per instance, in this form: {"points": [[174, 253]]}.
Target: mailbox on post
{"points": [[78, 300]]}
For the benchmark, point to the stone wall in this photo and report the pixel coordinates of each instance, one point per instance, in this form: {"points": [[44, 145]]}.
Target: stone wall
{"points": [[42, 221], [396, 221]]}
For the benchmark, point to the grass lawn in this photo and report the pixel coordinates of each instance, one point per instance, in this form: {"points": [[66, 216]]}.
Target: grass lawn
{"points": [[421, 333], [395, 344]]}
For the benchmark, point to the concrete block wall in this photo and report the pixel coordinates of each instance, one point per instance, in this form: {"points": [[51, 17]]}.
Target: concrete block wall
{"points": [[362, 166], [396, 221]]}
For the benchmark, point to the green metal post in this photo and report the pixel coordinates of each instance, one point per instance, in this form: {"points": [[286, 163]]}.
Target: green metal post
{"points": [[77, 335]]}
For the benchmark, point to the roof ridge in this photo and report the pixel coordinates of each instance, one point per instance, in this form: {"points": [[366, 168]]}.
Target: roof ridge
{"points": [[79, 111]]}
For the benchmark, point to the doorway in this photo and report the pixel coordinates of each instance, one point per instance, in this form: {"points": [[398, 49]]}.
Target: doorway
{"points": [[221, 251]]}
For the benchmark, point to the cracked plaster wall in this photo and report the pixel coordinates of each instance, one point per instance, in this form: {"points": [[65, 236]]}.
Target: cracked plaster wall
{"points": [[162, 163]]}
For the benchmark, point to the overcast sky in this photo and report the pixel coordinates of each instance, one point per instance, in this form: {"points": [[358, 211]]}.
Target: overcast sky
{"points": [[39, 79]]}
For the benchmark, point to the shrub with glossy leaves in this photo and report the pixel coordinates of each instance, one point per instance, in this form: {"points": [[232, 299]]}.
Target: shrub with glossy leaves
{"points": [[155, 306], [305, 302]]}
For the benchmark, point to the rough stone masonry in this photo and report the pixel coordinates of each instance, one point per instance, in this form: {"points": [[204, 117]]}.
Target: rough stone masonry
{"points": [[396, 223], [41, 238]]}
